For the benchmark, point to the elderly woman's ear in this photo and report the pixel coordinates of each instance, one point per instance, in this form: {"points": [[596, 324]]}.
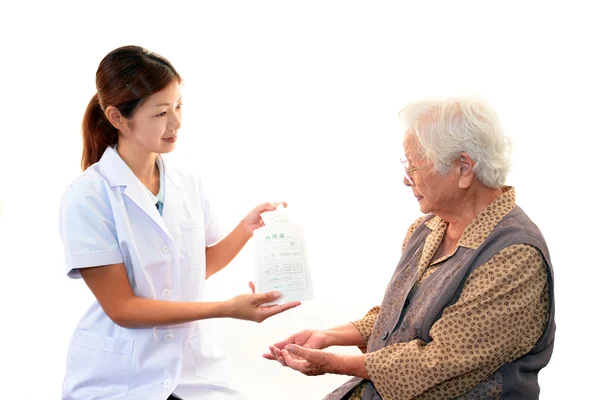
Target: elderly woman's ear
{"points": [[466, 176]]}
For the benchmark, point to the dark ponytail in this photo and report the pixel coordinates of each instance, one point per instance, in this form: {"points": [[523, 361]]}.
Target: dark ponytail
{"points": [[125, 79], [98, 133]]}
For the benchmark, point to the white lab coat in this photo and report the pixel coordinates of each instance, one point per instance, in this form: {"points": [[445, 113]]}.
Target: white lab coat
{"points": [[107, 217]]}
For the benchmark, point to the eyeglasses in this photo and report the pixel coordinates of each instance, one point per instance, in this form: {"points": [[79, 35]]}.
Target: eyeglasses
{"points": [[408, 172]]}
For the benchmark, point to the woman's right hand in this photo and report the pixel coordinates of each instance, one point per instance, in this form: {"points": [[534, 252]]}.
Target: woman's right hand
{"points": [[250, 306], [307, 338]]}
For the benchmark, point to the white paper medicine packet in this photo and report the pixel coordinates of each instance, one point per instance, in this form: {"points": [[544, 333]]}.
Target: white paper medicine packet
{"points": [[281, 262]]}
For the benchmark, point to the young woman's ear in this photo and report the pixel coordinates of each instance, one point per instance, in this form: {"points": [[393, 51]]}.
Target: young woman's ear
{"points": [[114, 117]]}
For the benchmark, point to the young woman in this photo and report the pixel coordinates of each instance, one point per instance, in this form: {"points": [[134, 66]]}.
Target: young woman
{"points": [[142, 236]]}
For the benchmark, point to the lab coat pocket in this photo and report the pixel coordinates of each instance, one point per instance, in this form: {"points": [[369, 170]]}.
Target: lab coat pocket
{"points": [[97, 365], [195, 246], [210, 362]]}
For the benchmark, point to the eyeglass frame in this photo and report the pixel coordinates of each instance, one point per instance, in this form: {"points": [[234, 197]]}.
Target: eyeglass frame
{"points": [[408, 172]]}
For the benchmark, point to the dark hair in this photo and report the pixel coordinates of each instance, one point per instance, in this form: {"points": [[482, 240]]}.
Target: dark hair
{"points": [[125, 79]]}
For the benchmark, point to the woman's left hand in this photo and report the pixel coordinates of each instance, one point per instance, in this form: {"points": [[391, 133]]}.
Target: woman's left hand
{"points": [[312, 362], [253, 221], [318, 362]]}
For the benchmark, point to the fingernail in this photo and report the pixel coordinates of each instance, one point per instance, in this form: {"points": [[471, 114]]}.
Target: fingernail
{"points": [[277, 294], [290, 348]]}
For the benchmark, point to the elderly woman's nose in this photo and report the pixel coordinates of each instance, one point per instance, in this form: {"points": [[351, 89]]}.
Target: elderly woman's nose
{"points": [[407, 182]]}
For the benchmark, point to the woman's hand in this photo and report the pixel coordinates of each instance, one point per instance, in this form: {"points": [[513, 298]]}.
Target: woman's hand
{"points": [[249, 306], [308, 338], [318, 362], [253, 221], [311, 362]]}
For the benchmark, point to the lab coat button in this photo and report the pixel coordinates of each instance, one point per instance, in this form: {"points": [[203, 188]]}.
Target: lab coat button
{"points": [[164, 249], [167, 383], [168, 337], [166, 292]]}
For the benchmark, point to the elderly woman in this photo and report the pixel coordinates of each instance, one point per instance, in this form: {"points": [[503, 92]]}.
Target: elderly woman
{"points": [[469, 311]]}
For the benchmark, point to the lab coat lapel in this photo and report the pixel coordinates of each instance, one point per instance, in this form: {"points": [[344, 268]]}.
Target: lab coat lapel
{"points": [[137, 194], [119, 174], [173, 199]]}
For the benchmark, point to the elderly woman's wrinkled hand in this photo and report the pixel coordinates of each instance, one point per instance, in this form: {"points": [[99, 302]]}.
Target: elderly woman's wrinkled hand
{"points": [[310, 361], [309, 338]]}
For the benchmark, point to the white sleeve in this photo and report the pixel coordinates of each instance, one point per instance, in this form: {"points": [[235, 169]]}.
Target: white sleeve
{"points": [[87, 230], [212, 229]]}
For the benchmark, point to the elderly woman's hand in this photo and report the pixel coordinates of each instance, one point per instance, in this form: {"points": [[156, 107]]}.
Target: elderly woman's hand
{"points": [[318, 362], [309, 361], [307, 338]]}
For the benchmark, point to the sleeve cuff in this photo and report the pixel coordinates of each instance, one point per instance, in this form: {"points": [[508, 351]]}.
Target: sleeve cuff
{"points": [[365, 325], [94, 259], [365, 333], [214, 235]]}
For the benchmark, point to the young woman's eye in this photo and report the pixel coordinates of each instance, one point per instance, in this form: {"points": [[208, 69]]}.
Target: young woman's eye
{"points": [[162, 114], [179, 106]]}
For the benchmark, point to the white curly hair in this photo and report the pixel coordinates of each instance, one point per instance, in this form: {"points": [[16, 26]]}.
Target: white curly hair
{"points": [[446, 127]]}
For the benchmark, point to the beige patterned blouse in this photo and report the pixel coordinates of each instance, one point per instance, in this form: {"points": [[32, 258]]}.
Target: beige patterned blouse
{"points": [[499, 316]]}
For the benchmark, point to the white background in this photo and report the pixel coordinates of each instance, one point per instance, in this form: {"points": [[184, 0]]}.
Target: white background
{"points": [[298, 101]]}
